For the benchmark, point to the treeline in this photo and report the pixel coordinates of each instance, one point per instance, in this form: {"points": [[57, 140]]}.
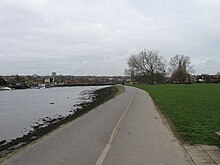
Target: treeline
{"points": [[149, 67]]}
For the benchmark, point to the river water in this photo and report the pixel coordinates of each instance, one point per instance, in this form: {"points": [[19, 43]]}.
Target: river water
{"points": [[21, 109]]}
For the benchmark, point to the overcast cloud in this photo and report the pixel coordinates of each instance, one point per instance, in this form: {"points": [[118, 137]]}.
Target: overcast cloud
{"points": [[96, 37]]}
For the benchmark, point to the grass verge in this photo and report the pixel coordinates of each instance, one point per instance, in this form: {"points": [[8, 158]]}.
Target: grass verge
{"points": [[193, 109]]}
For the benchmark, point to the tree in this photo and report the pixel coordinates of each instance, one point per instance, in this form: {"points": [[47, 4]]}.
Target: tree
{"points": [[130, 72], [3, 81], [180, 68], [20, 79], [147, 64]]}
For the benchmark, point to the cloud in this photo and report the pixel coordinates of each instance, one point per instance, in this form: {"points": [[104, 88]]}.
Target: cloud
{"points": [[207, 66], [41, 36]]}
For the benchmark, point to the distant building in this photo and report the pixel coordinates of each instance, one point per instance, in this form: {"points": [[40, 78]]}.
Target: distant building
{"points": [[211, 78], [48, 80], [35, 75], [207, 78], [54, 74]]}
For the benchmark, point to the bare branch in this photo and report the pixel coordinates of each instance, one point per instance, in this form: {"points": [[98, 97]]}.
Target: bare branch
{"points": [[148, 63]]}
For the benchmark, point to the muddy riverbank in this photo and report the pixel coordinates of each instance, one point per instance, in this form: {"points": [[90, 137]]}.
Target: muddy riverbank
{"points": [[48, 124]]}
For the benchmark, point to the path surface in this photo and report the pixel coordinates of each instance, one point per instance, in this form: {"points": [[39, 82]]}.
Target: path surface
{"points": [[126, 130]]}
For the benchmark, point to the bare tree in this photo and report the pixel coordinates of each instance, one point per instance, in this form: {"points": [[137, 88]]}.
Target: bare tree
{"points": [[180, 68], [147, 64], [130, 72]]}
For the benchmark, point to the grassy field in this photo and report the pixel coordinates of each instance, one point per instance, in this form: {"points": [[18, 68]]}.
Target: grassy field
{"points": [[193, 109]]}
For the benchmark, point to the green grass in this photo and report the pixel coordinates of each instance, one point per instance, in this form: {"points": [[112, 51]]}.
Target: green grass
{"points": [[193, 109]]}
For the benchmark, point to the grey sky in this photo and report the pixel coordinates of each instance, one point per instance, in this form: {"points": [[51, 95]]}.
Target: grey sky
{"points": [[96, 37]]}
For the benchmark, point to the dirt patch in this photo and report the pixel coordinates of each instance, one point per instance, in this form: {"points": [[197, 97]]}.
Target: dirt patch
{"points": [[97, 97]]}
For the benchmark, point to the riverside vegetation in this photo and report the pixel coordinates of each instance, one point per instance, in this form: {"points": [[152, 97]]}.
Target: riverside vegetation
{"points": [[193, 109]]}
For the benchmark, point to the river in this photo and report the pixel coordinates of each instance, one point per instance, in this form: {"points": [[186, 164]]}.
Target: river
{"points": [[21, 109]]}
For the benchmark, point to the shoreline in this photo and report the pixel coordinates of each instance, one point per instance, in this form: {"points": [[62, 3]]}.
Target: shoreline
{"points": [[98, 97], [22, 87]]}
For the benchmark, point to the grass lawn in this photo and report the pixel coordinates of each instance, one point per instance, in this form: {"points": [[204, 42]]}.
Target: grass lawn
{"points": [[193, 109]]}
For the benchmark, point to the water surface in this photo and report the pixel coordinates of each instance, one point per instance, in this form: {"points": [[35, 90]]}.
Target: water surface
{"points": [[20, 109]]}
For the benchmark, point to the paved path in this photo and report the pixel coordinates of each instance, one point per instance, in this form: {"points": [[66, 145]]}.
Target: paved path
{"points": [[126, 130], [203, 154]]}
